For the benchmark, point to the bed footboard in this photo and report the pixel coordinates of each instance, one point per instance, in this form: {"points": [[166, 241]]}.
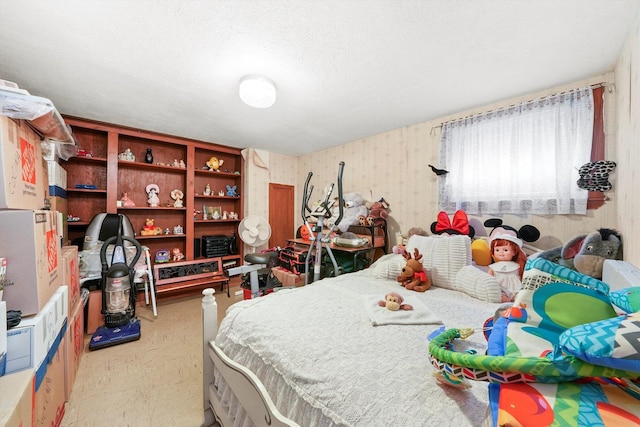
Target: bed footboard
{"points": [[246, 387], [209, 332]]}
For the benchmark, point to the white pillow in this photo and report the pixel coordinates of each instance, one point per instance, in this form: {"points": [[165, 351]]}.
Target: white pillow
{"points": [[478, 284], [388, 266], [443, 256]]}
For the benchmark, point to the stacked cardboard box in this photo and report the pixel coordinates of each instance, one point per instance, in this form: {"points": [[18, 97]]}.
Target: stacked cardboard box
{"points": [[37, 344], [18, 404], [35, 361], [22, 182], [31, 245], [74, 338], [287, 278]]}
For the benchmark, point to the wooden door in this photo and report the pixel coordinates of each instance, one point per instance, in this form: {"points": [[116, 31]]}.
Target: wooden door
{"points": [[281, 211]]}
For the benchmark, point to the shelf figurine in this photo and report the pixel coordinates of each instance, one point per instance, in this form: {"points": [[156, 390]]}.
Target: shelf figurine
{"points": [[150, 229], [177, 196], [148, 157], [152, 192], [162, 256], [127, 155], [221, 193], [207, 190], [176, 254], [126, 201], [231, 191], [178, 229], [214, 164]]}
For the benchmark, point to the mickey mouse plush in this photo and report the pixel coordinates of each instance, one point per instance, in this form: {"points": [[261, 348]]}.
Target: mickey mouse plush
{"points": [[480, 251]]}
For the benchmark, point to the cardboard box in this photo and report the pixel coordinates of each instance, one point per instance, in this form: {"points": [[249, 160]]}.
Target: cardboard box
{"points": [[32, 343], [73, 347], [57, 179], [288, 278], [31, 244], [94, 316], [70, 267], [22, 179], [50, 402], [17, 399], [59, 204]]}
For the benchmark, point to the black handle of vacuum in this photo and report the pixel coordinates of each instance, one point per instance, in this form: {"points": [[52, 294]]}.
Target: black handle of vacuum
{"points": [[110, 240], [340, 199]]}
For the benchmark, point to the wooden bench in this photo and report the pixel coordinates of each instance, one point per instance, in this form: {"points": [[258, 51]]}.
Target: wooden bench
{"points": [[188, 276]]}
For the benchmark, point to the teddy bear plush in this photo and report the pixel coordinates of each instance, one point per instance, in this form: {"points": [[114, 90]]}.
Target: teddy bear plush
{"points": [[353, 208], [378, 210], [214, 164], [393, 301], [413, 277], [150, 229]]}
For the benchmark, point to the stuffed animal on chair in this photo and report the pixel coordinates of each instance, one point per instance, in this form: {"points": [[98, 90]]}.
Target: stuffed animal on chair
{"points": [[353, 208], [413, 277], [587, 253], [378, 210]]}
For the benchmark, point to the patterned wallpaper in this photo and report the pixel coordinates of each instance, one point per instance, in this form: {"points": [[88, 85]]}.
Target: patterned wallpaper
{"points": [[393, 165], [628, 146]]}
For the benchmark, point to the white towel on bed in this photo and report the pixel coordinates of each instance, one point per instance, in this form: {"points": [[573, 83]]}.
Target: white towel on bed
{"points": [[420, 315]]}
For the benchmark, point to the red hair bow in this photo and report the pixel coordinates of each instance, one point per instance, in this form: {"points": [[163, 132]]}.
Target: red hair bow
{"points": [[460, 224]]}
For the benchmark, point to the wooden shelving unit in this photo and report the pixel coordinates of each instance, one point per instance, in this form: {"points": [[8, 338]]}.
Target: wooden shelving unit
{"points": [[113, 177]]}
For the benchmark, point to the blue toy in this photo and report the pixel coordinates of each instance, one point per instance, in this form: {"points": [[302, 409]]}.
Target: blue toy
{"points": [[231, 191]]}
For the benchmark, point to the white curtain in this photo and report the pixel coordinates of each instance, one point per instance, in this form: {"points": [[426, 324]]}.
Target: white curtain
{"points": [[523, 159]]}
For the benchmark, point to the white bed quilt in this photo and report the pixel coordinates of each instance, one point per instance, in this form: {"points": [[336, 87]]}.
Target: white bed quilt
{"points": [[324, 364]]}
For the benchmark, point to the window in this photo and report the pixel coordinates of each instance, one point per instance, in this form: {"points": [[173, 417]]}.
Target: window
{"points": [[523, 159]]}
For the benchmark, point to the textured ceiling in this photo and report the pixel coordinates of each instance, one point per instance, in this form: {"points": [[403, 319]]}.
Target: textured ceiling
{"points": [[345, 69]]}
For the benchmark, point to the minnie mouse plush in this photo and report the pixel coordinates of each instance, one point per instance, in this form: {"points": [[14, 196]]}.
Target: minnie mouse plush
{"points": [[459, 225]]}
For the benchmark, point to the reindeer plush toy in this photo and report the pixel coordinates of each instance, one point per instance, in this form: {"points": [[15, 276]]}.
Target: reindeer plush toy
{"points": [[413, 277]]}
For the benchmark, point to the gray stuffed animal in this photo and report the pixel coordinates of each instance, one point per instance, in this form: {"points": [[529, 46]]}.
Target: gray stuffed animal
{"points": [[587, 253]]}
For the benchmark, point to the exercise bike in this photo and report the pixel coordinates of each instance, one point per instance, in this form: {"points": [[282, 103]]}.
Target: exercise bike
{"points": [[319, 238]]}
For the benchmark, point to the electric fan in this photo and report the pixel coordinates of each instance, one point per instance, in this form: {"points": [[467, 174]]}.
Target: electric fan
{"points": [[254, 231]]}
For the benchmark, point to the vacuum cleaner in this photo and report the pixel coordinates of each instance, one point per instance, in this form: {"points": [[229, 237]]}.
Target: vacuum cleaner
{"points": [[118, 294]]}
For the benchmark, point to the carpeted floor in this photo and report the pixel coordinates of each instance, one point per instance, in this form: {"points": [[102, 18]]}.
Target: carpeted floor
{"points": [[155, 381]]}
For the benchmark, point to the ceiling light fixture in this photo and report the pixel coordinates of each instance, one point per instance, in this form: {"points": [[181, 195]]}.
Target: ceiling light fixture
{"points": [[257, 91]]}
